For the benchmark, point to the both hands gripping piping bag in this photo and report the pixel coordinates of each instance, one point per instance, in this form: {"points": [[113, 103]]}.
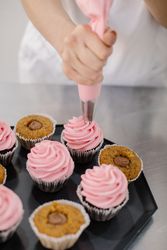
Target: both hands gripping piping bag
{"points": [[98, 12]]}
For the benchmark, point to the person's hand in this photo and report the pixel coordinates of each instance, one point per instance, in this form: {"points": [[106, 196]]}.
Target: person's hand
{"points": [[85, 54]]}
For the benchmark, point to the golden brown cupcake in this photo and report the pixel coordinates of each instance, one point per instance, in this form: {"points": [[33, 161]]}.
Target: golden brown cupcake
{"points": [[34, 128], [58, 224], [2, 174], [124, 158]]}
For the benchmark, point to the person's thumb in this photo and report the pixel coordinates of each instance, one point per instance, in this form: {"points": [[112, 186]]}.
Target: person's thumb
{"points": [[109, 37]]}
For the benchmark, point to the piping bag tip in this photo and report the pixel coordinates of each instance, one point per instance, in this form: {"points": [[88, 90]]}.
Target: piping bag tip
{"points": [[88, 110], [88, 96]]}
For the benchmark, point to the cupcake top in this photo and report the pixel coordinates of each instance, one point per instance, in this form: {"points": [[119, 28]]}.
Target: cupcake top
{"points": [[49, 161], [35, 126], [122, 157], [11, 209], [82, 135], [2, 174], [104, 187], [59, 218], [7, 136]]}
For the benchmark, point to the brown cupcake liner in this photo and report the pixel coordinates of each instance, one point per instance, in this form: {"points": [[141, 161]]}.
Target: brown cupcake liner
{"points": [[7, 234], [53, 186], [4, 180], [100, 214], [50, 187], [6, 158], [29, 143], [65, 241], [82, 157], [113, 145]]}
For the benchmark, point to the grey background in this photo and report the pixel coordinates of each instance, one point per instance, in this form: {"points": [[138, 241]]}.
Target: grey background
{"points": [[12, 25]]}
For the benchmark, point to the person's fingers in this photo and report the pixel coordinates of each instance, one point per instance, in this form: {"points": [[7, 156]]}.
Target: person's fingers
{"points": [[90, 82], [80, 80], [72, 74], [96, 48], [83, 69], [85, 55], [87, 73], [94, 43], [89, 59], [109, 37]]}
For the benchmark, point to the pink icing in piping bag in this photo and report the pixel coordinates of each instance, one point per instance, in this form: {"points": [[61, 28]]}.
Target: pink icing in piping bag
{"points": [[98, 12]]}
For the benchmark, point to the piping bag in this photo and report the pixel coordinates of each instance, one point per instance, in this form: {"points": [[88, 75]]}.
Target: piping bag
{"points": [[98, 12]]}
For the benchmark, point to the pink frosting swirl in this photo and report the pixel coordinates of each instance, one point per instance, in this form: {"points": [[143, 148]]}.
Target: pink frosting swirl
{"points": [[11, 208], [104, 186], [50, 161], [7, 136], [82, 135]]}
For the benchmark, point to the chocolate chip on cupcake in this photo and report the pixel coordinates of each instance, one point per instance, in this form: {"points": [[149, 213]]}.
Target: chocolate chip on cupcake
{"points": [[124, 158], [58, 224], [34, 128]]}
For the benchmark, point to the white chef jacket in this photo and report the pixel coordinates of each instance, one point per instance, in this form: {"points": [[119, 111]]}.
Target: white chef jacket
{"points": [[139, 56]]}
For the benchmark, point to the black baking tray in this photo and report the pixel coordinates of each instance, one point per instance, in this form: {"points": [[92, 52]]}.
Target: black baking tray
{"points": [[116, 234]]}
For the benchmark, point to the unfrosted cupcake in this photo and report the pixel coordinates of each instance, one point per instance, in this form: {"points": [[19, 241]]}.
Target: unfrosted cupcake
{"points": [[34, 128], [124, 158], [82, 138], [59, 224], [8, 143], [11, 213], [103, 191], [50, 165], [3, 175]]}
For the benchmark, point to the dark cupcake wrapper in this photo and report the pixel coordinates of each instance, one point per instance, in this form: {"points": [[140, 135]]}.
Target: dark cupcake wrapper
{"points": [[82, 157], [30, 143], [53, 186], [6, 158], [100, 214], [50, 187]]}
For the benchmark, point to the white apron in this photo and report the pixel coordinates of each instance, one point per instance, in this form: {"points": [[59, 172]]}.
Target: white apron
{"points": [[139, 56]]}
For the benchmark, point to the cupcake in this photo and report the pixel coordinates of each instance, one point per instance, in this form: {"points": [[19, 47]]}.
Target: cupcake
{"points": [[124, 158], [3, 175], [50, 165], [34, 128], [59, 224], [82, 138], [8, 143], [11, 213], [103, 191]]}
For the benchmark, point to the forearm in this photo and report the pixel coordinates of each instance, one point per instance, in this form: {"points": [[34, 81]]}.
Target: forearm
{"points": [[50, 18], [158, 9]]}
